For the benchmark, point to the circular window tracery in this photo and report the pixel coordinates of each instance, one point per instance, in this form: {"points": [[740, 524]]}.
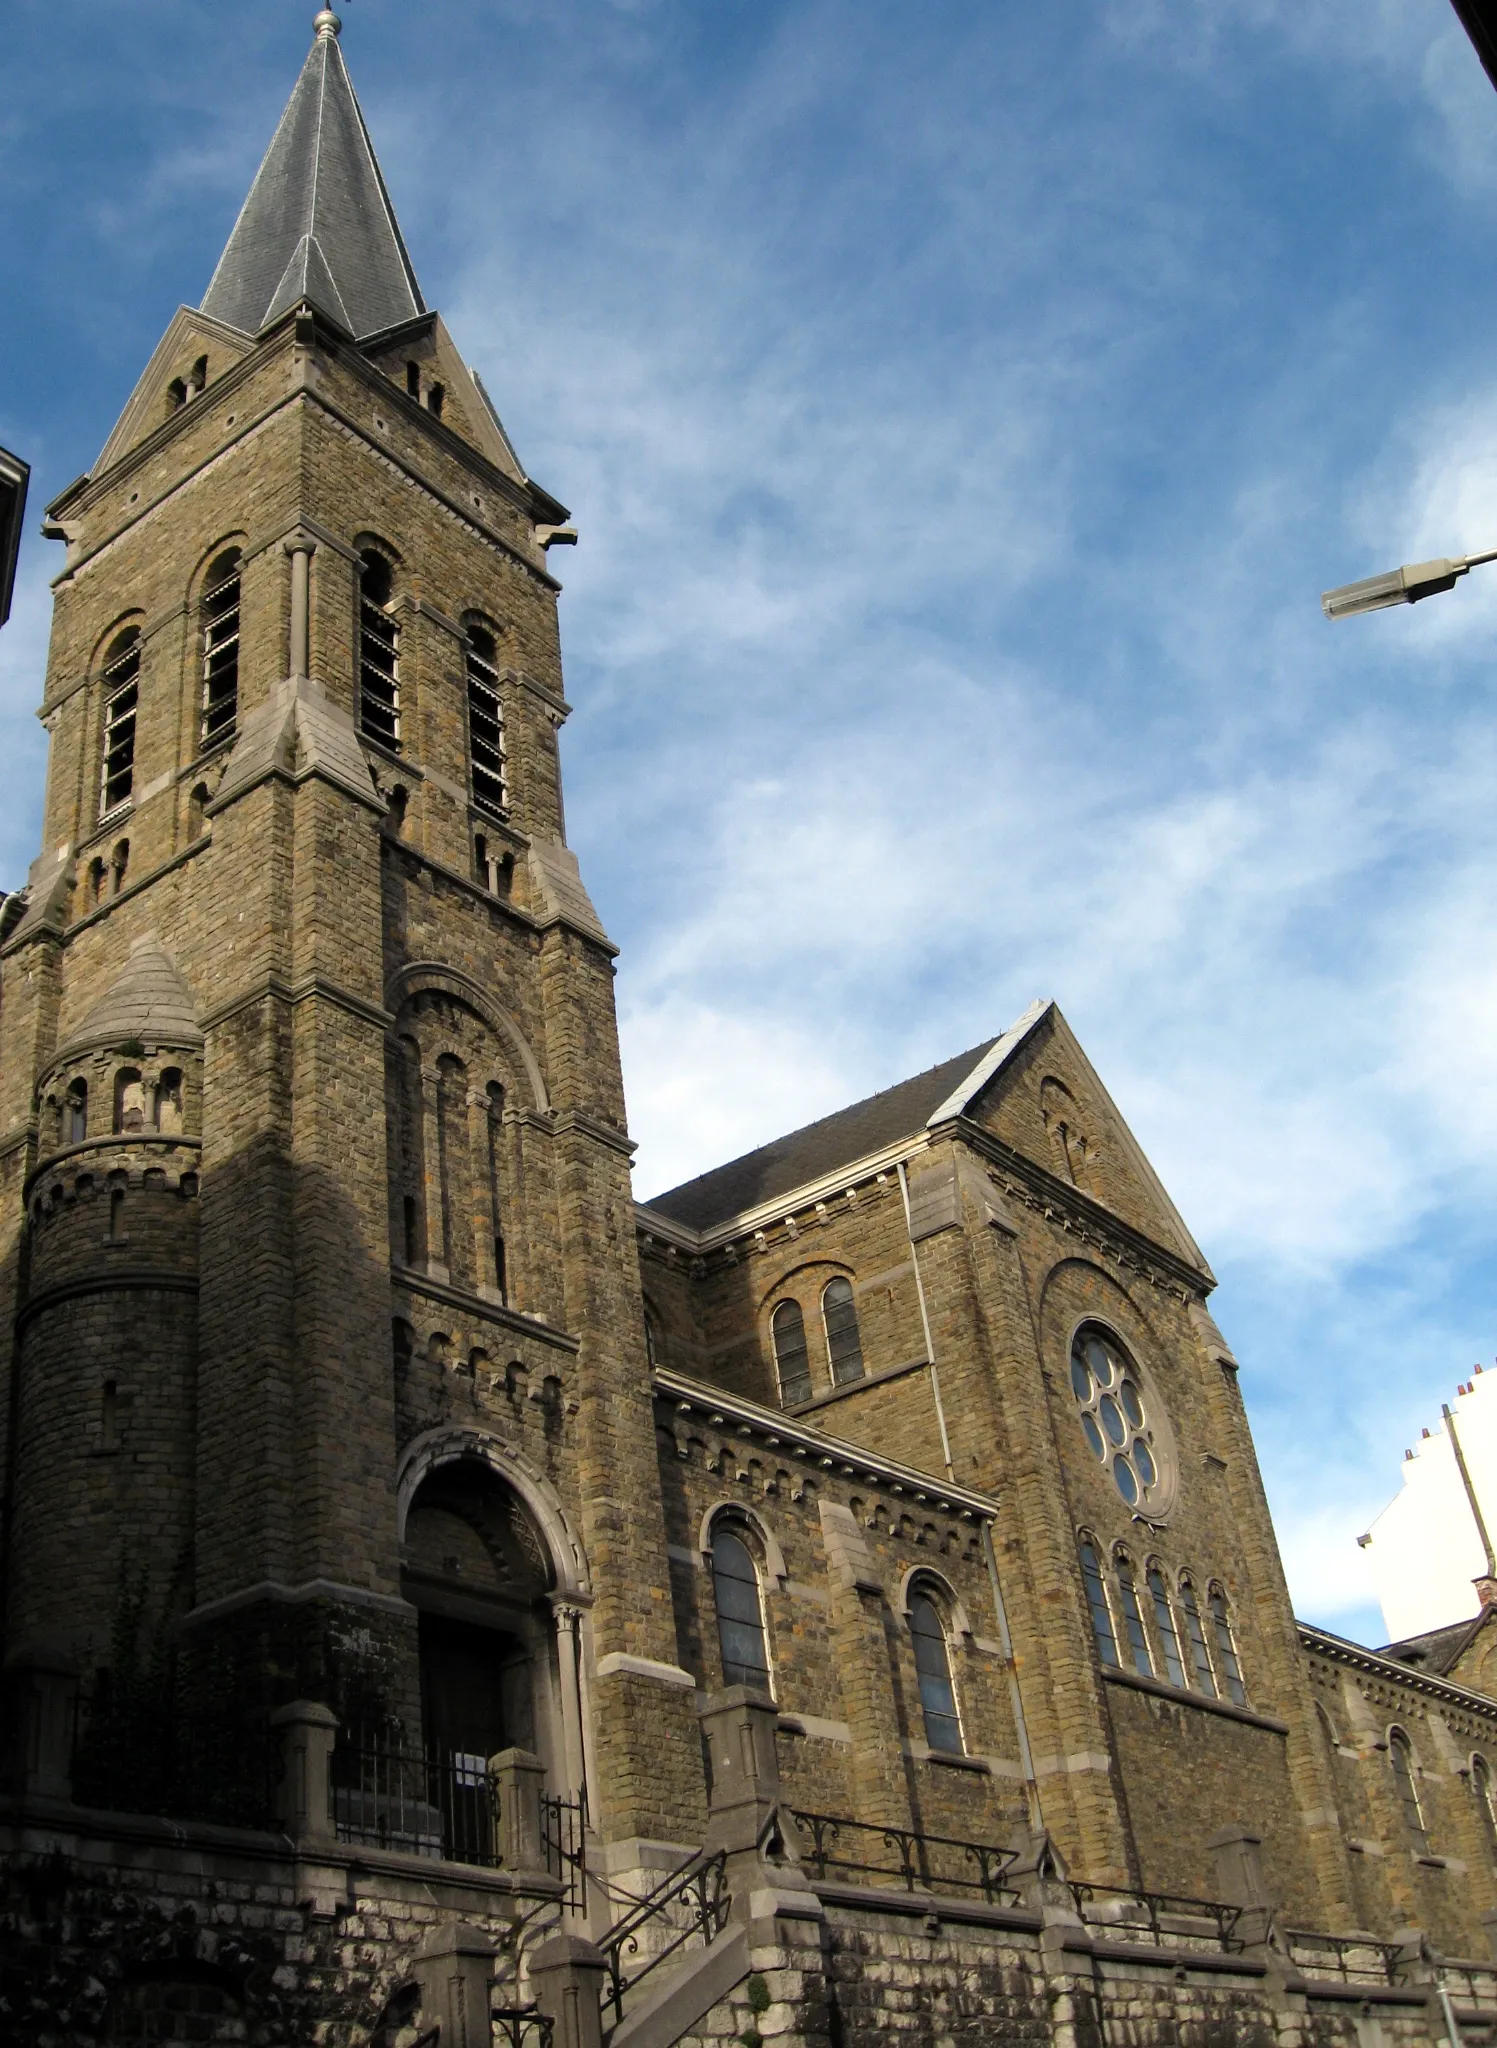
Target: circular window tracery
{"points": [[1119, 1418]]}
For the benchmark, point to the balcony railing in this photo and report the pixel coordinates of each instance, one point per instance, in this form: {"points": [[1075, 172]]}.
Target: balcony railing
{"points": [[1165, 1919], [834, 1846], [1350, 1958]]}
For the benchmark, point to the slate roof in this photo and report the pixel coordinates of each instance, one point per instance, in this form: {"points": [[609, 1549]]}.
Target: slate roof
{"points": [[1438, 1649], [819, 1148], [149, 1001], [318, 223]]}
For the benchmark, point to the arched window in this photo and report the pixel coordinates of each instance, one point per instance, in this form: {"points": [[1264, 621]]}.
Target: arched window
{"points": [[197, 805], [844, 1346], [740, 1610], [1195, 1635], [1226, 1649], [1481, 1790], [1165, 1632], [943, 1728], [1096, 1600], [169, 1102], [494, 1117], [792, 1361], [129, 1101], [379, 654], [121, 702], [75, 1120], [1133, 1621], [220, 628], [486, 754], [1401, 1758], [119, 866], [652, 1341]]}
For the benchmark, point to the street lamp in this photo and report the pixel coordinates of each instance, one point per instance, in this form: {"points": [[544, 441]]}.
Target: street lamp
{"points": [[14, 477], [1400, 586]]}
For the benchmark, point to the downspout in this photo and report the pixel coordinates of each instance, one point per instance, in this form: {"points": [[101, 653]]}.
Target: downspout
{"points": [[1021, 1729], [930, 1349], [1476, 1514]]}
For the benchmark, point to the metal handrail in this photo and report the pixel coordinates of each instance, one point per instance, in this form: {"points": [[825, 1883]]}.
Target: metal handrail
{"points": [[915, 1867], [522, 2026], [1341, 1947], [701, 1883], [1157, 1907]]}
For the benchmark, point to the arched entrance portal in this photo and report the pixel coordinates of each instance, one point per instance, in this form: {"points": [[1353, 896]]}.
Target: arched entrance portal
{"points": [[477, 1572]]}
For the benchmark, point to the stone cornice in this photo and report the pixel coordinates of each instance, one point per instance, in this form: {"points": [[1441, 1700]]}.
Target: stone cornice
{"points": [[1358, 1658], [407, 1279], [779, 1431]]}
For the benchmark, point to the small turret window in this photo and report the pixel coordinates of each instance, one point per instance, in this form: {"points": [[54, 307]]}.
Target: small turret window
{"points": [[844, 1344], [792, 1361], [121, 702], [379, 654], [220, 613], [75, 1119], [169, 1102], [486, 755]]}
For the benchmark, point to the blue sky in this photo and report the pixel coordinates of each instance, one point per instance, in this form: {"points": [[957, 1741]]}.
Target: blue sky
{"points": [[963, 407]]}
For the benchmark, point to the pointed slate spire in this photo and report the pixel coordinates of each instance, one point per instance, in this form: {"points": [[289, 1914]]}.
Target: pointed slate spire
{"points": [[318, 223]]}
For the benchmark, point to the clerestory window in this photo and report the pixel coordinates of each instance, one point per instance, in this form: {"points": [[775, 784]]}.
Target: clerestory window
{"points": [[486, 755], [943, 1728], [1096, 1600], [219, 710], [121, 703], [1401, 1758], [379, 654], [1133, 1621], [1165, 1631], [740, 1610], [844, 1344], [1195, 1636], [792, 1361], [1226, 1648]]}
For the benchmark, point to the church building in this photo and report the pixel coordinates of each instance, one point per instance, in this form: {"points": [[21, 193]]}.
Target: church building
{"points": [[446, 1601]]}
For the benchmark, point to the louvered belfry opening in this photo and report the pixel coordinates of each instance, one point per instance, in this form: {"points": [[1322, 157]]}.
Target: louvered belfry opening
{"points": [[379, 654], [220, 700], [121, 700], [485, 723]]}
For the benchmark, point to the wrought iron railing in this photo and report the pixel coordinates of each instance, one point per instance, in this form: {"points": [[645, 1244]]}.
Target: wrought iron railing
{"points": [[920, 1862], [522, 2026], [441, 1803], [1476, 1983], [690, 1905], [1354, 1958], [1165, 1918]]}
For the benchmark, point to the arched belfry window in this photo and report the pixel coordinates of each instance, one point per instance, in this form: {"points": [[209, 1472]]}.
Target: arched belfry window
{"points": [[792, 1360], [379, 653], [1401, 1759], [843, 1343], [943, 1728], [486, 755], [121, 703], [1096, 1599], [740, 1609], [1133, 1620], [220, 628], [1226, 1648]]}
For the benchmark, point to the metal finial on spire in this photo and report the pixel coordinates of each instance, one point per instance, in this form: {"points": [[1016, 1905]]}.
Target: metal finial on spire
{"points": [[327, 23]]}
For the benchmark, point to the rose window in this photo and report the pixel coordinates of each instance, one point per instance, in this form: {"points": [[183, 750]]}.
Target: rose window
{"points": [[1116, 1417]]}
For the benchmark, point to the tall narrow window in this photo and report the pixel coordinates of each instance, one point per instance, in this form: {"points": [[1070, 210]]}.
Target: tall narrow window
{"points": [[1481, 1789], [1096, 1600], [1133, 1621], [129, 1101], [485, 723], [1195, 1635], [220, 705], [1164, 1627], [494, 1108], [844, 1345], [169, 1102], [943, 1730], [121, 701], [792, 1361], [740, 1612], [379, 654], [75, 1123], [1401, 1757], [1226, 1649]]}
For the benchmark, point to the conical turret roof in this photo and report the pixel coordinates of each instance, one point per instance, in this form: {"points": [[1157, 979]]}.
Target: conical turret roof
{"points": [[149, 1001], [318, 223]]}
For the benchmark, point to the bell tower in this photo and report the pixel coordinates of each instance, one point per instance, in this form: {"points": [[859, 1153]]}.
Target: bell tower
{"points": [[317, 1233]]}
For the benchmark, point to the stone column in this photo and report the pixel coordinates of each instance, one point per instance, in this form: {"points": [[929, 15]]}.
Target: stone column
{"points": [[455, 1970], [433, 1192], [517, 1779], [301, 550], [304, 1800], [566, 1976]]}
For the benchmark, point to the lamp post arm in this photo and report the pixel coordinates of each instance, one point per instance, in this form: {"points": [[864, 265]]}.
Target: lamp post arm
{"points": [[1415, 580]]}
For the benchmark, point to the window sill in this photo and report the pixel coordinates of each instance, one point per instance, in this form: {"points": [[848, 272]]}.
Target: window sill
{"points": [[1198, 1700], [869, 1379], [1433, 1862], [950, 1759]]}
